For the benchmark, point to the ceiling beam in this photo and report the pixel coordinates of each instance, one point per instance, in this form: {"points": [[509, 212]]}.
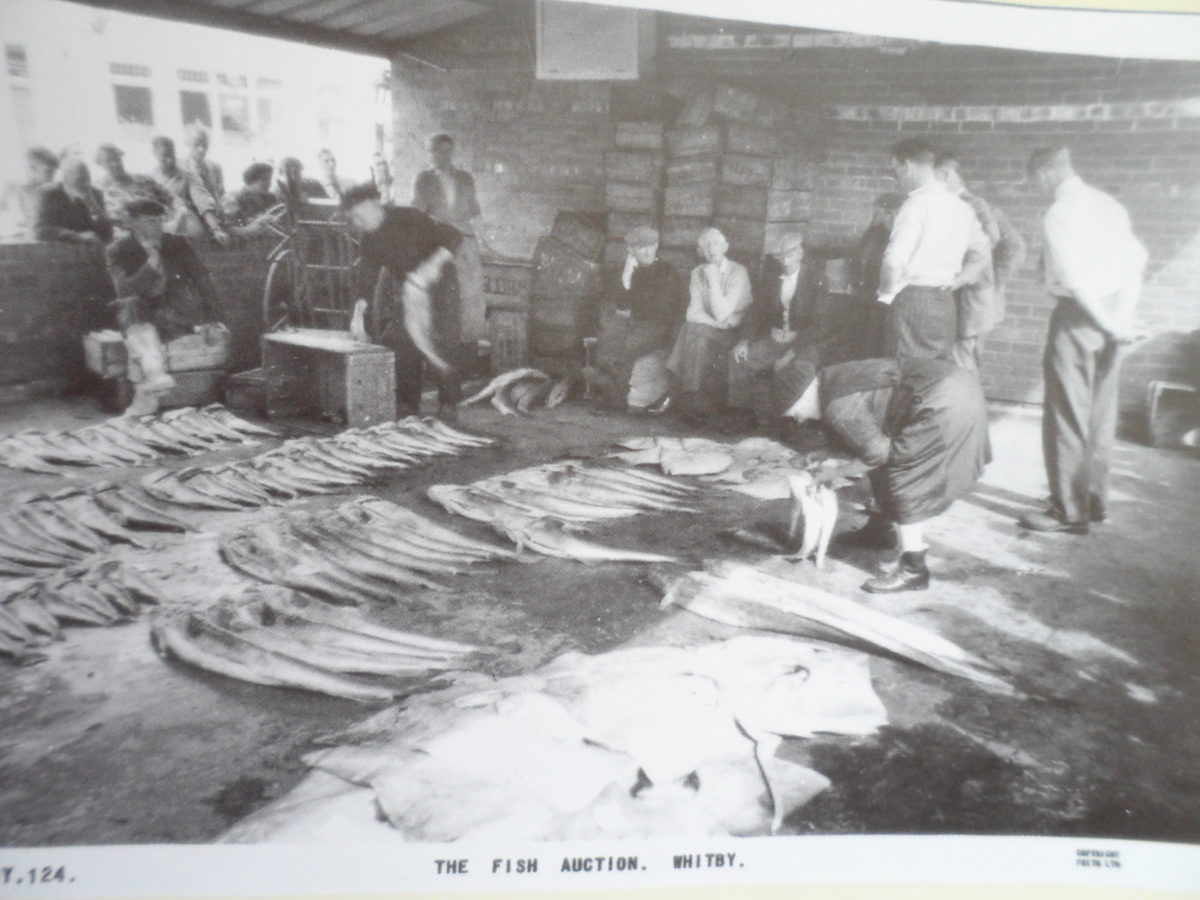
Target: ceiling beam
{"points": [[199, 13]]}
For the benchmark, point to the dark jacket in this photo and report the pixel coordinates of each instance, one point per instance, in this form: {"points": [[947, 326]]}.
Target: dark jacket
{"points": [[180, 296], [406, 239], [59, 216], [429, 197], [766, 310], [656, 294]]}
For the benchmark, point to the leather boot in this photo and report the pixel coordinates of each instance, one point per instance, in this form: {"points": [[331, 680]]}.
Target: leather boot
{"points": [[877, 534], [910, 575]]}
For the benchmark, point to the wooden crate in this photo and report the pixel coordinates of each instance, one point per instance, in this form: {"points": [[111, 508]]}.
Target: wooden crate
{"points": [[746, 171], [105, 354], [614, 254], [695, 200], [772, 113], [639, 136], [560, 271], [621, 223], [246, 392], [682, 232], [508, 333], [623, 197], [319, 373], [734, 103], [749, 139], [634, 168], [507, 284], [697, 110], [694, 141], [747, 237], [582, 233], [692, 170], [789, 206], [741, 202], [792, 174]]}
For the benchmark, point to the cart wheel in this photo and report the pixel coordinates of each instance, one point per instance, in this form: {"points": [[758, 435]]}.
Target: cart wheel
{"points": [[279, 292]]}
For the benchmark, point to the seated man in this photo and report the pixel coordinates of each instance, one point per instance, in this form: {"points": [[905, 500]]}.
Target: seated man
{"points": [[779, 327], [72, 210], [246, 211], [163, 292], [719, 295], [641, 312], [119, 187]]}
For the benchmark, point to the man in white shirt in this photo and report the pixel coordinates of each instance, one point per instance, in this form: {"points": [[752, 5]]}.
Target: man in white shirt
{"points": [[1094, 265], [936, 246], [331, 182]]}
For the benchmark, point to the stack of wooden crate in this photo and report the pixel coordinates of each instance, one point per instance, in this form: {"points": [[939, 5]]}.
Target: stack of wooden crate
{"points": [[633, 173], [566, 268]]}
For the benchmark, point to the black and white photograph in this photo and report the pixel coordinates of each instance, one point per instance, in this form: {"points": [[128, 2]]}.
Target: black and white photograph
{"points": [[541, 423]]}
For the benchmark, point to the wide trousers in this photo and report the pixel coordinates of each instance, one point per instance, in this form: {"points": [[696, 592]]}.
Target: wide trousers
{"points": [[1079, 415], [410, 363], [922, 323], [760, 365], [622, 342]]}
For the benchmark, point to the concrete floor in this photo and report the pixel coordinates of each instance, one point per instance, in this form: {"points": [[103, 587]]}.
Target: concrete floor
{"points": [[105, 743]]}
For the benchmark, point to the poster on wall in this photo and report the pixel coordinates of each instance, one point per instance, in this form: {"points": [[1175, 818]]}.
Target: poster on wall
{"points": [[584, 42]]}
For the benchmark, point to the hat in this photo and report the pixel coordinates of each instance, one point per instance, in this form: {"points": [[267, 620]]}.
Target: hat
{"points": [[788, 242], [641, 236]]}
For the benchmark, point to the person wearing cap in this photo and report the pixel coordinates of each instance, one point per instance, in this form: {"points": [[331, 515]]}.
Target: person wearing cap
{"points": [[935, 247], [918, 428], [71, 209], [981, 302], [163, 291], [194, 211], [121, 188], [406, 269], [250, 210], [1093, 265], [208, 173], [640, 313], [779, 326], [719, 295]]}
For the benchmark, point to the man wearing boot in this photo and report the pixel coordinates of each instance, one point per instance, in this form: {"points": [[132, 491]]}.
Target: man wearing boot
{"points": [[163, 292], [408, 253], [919, 427], [779, 328]]}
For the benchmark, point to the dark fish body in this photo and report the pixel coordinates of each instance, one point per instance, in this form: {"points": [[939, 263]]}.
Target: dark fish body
{"points": [[133, 512]]}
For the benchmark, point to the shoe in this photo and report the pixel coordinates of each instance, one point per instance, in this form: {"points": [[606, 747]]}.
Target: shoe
{"points": [[910, 575], [145, 403], [877, 534], [1052, 521], [657, 409], [1099, 509]]}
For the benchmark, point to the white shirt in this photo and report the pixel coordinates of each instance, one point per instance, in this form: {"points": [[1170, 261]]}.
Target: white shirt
{"points": [[449, 188], [929, 240], [1091, 250], [787, 290]]}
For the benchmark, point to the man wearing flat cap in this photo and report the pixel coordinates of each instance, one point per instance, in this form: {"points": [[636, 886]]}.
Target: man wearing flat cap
{"points": [[641, 311], [163, 292], [779, 328]]}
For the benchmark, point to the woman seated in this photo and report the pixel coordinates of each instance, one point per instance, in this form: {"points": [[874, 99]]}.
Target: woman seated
{"points": [[919, 427], [719, 295]]}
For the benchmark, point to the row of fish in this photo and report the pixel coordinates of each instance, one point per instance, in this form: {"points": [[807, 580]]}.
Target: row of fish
{"points": [[543, 508], [129, 441], [633, 743], [272, 636], [765, 598], [314, 465], [33, 611], [521, 390], [365, 550]]}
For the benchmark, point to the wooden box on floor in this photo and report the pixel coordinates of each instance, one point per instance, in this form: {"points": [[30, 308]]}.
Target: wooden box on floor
{"points": [[317, 373]]}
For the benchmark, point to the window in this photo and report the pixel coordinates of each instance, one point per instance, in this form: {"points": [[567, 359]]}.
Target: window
{"points": [[16, 60], [23, 107], [194, 107], [193, 76], [235, 114], [134, 104], [129, 70], [234, 81]]}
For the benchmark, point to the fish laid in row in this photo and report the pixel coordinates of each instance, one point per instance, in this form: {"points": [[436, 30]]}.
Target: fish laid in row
{"points": [[632, 743], [272, 636], [366, 550], [749, 597], [543, 508], [129, 441], [310, 466], [521, 390], [33, 611]]}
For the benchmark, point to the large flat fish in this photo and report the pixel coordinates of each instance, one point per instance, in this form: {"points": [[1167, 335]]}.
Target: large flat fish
{"points": [[51, 519], [201, 643], [167, 487], [133, 512], [122, 438], [383, 511], [225, 417], [500, 382], [550, 538], [15, 456], [195, 419], [84, 509], [455, 435], [26, 607]]}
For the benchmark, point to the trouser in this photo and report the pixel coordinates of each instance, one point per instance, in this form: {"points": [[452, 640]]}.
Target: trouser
{"points": [[1079, 415], [472, 308], [622, 342], [410, 362], [966, 353], [761, 358], [922, 323]]}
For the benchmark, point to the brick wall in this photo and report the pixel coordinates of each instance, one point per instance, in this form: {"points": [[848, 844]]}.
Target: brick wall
{"points": [[52, 293]]}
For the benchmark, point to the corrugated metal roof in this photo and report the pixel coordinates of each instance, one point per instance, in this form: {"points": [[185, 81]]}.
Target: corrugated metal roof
{"points": [[365, 26]]}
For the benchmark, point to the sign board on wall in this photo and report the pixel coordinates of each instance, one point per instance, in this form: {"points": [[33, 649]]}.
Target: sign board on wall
{"points": [[579, 42]]}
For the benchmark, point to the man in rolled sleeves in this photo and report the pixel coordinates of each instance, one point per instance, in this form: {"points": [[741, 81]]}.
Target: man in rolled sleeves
{"points": [[936, 246], [781, 326], [981, 302], [1094, 267], [642, 309]]}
